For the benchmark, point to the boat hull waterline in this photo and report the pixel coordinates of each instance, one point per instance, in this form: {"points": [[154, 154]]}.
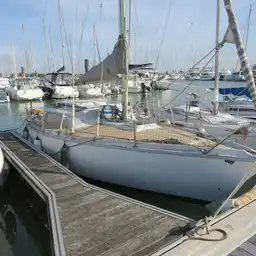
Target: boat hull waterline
{"points": [[148, 167]]}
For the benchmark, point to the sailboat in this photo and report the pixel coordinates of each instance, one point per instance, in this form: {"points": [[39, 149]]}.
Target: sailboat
{"points": [[109, 144], [213, 122]]}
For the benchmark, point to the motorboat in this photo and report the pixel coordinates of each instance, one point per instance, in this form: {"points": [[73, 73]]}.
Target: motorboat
{"points": [[207, 75], [58, 85], [25, 88], [235, 77], [4, 83], [193, 74]]}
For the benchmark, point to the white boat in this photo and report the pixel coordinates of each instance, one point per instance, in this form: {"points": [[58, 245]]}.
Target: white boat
{"points": [[89, 91], [58, 85], [137, 85], [224, 73], [220, 125], [177, 76], [207, 75], [193, 74], [4, 97], [235, 77], [103, 144], [24, 88], [4, 83], [178, 167], [238, 106]]}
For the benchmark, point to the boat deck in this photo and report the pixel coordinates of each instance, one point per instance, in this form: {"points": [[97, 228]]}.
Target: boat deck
{"points": [[167, 134], [85, 219]]}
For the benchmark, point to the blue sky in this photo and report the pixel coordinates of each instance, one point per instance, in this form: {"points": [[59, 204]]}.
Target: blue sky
{"points": [[189, 35]]}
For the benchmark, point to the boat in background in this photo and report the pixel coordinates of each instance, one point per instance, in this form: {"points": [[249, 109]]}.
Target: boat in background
{"points": [[58, 85], [224, 73], [24, 88], [4, 82], [236, 76], [207, 75], [238, 106], [193, 74], [90, 91]]}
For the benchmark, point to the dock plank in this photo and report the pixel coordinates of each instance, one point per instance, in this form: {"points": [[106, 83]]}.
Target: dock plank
{"points": [[93, 221], [246, 249]]}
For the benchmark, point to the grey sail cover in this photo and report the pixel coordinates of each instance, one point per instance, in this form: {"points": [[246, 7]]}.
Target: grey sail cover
{"points": [[244, 63], [110, 67]]}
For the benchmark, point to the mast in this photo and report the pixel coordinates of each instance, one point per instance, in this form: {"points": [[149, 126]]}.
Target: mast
{"points": [[245, 66], [122, 20], [61, 33], [26, 50], [216, 83]]}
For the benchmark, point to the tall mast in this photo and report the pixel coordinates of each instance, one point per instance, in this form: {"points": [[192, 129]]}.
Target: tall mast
{"points": [[216, 84], [26, 50], [244, 63], [122, 20], [61, 33]]}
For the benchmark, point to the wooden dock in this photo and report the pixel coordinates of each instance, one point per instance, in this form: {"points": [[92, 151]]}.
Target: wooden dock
{"points": [[85, 219]]}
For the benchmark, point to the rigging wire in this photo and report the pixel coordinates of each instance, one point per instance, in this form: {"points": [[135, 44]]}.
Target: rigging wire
{"points": [[164, 33], [188, 85]]}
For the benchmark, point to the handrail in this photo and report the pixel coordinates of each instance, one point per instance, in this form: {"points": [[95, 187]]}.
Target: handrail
{"points": [[42, 190]]}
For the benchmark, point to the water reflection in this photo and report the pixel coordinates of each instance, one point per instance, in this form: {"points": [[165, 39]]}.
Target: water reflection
{"points": [[23, 219]]}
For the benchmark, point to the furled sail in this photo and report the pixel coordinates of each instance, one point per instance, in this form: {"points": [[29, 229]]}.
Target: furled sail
{"points": [[110, 67], [240, 50]]}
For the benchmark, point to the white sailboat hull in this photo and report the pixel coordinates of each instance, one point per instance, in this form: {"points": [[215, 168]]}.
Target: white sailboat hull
{"points": [[159, 168], [90, 93], [29, 94], [163, 85], [64, 92]]}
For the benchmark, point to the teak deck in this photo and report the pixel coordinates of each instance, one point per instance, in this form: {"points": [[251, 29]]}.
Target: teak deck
{"points": [[94, 221]]}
